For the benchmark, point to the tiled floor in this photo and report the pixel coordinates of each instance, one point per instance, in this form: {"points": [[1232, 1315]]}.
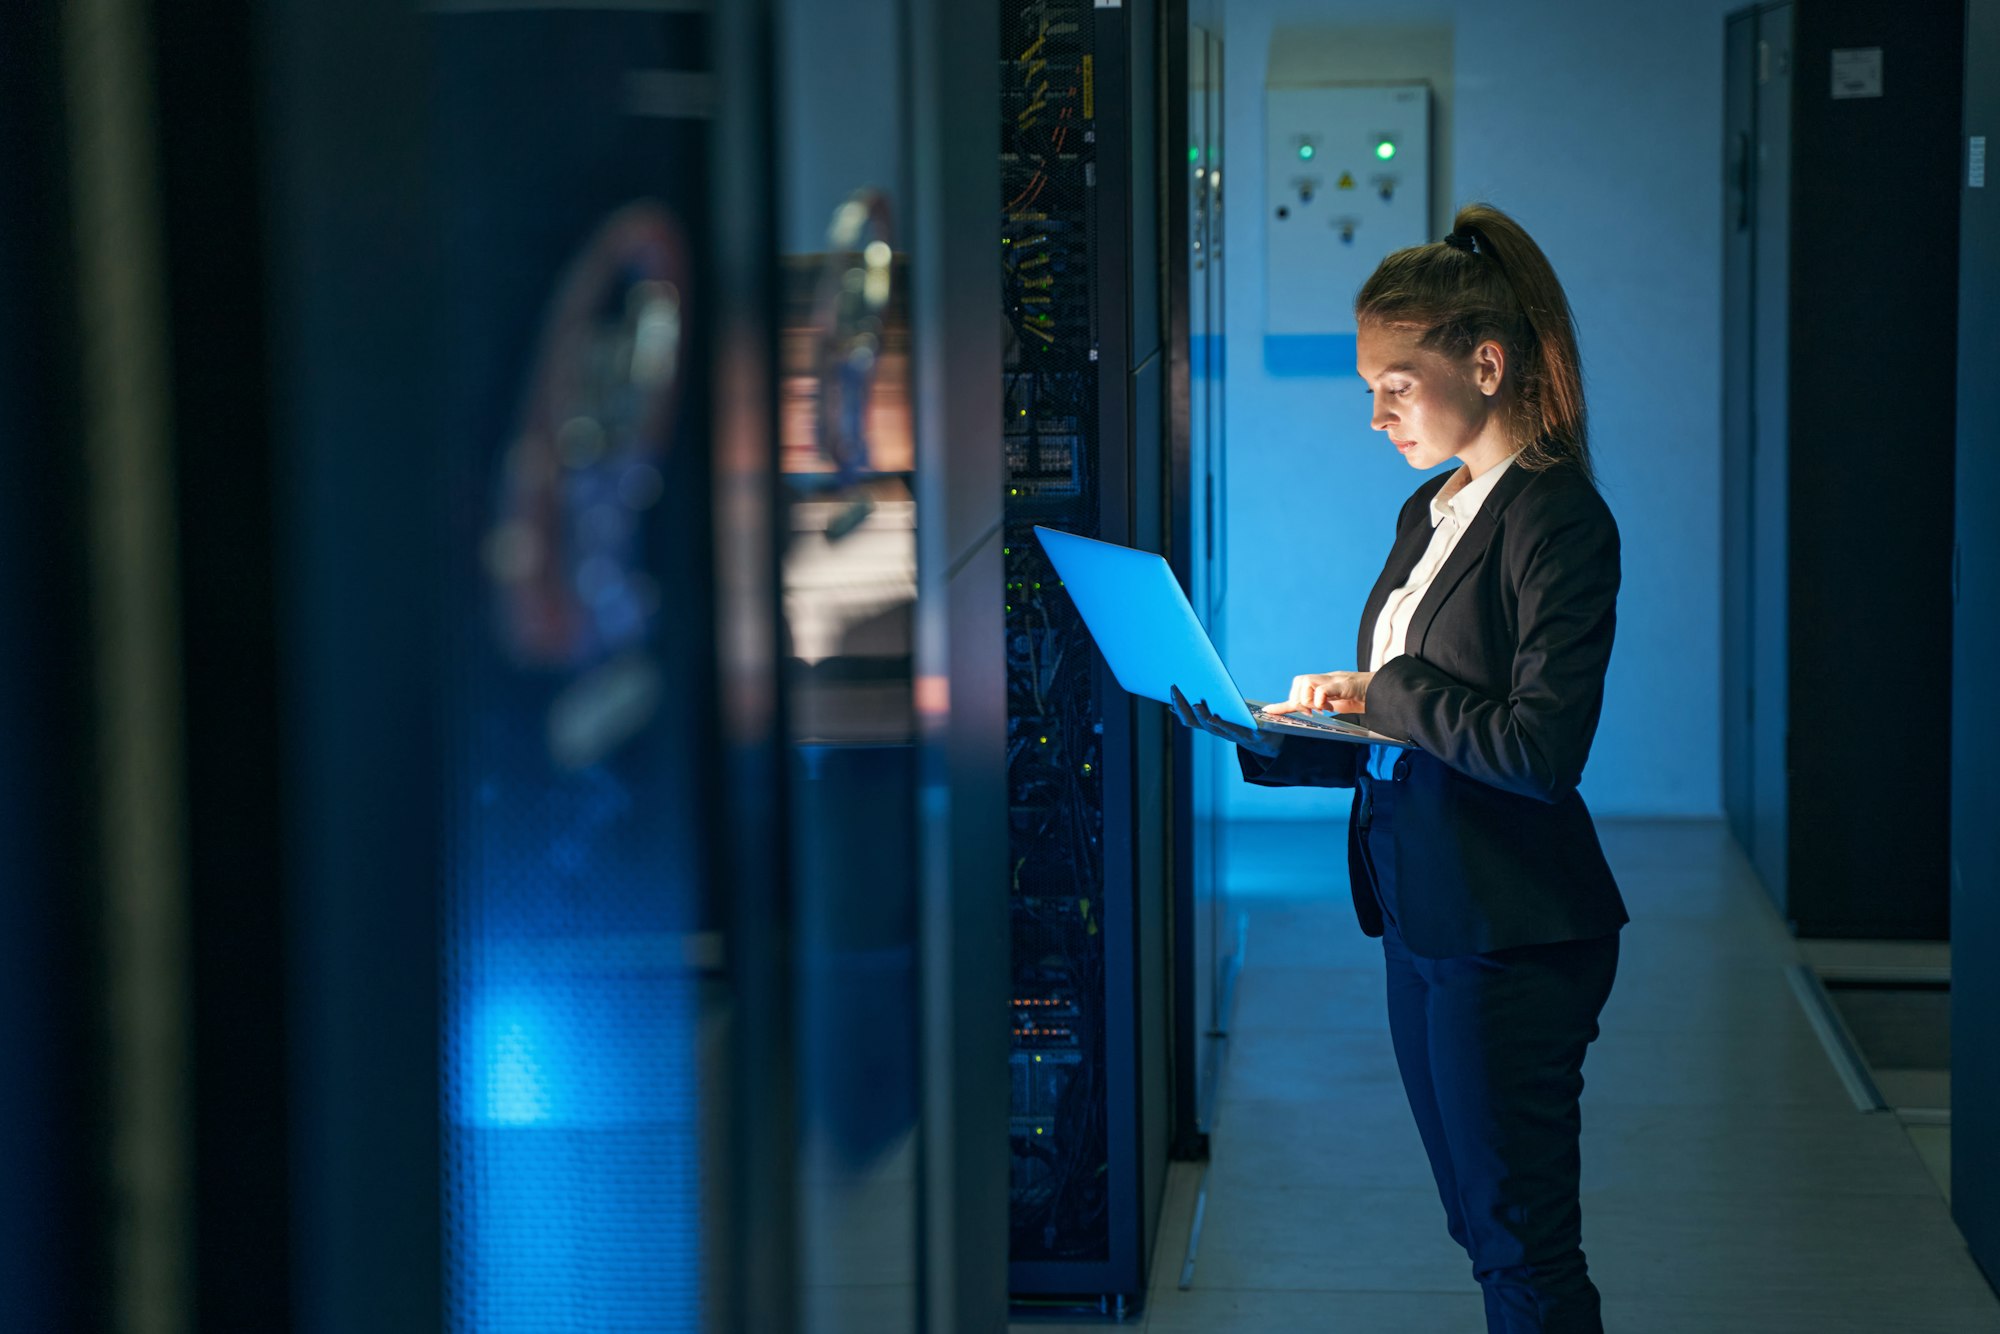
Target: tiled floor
{"points": [[1729, 1185]]}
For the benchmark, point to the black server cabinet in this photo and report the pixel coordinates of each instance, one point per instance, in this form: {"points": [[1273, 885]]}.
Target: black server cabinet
{"points": [[1841, 237], [1975, 720], [1087, 768], [449, 314]]}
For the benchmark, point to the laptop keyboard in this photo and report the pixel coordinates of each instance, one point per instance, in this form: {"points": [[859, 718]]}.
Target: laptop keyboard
{"points": [[1303, 720]]}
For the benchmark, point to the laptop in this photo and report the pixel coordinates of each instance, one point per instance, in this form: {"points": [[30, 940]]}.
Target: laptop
{"points": [[1153, 641]]}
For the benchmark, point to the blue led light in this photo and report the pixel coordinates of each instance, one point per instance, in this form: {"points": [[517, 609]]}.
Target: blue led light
{"points": [[505, 1080], [572, 1178]]}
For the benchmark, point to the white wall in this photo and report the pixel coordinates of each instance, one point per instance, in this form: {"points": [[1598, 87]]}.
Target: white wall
{"points": [[1599, 126]]}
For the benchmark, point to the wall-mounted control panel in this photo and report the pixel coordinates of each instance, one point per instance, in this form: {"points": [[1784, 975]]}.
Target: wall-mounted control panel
{"points": [[1346, 181]]}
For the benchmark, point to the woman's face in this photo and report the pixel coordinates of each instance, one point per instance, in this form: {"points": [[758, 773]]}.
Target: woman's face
{"points": [[1432, 407]]}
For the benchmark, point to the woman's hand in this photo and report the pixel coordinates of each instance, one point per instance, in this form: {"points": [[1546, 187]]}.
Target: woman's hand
{"points": [[1340, 692], [1198, 717]]}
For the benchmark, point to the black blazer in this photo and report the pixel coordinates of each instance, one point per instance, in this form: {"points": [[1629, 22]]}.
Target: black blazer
{"points": [[1500, 687]]}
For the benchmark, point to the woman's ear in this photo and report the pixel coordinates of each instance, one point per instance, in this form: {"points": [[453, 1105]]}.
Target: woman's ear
{"points": [[1489, 367]]}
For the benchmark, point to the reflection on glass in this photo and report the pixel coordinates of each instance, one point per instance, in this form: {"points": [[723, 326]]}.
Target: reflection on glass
{"points": [[846, 451], [578, 666], [847, 350]]}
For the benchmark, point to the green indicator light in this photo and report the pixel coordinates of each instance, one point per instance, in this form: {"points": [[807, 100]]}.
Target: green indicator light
{"points": [[1194, 153], [1385, 150], [1305, 152]]}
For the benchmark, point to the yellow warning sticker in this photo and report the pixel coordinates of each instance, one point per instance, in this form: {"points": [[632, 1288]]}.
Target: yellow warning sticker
{"points": [[1347, 180], [1089, 90]]}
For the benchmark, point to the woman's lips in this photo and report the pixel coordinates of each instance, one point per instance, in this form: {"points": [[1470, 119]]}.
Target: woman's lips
{"points": [[1404, 446]]}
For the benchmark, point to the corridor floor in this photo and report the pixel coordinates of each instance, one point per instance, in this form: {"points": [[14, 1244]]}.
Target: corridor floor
{"points": [[1730, 1187]]}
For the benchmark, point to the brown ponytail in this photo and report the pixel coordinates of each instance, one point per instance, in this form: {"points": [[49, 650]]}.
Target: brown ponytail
{"points": [[1489, 279]]}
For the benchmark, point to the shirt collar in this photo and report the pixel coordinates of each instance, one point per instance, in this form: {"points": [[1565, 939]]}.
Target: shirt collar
{"points": [[1461, 499]]}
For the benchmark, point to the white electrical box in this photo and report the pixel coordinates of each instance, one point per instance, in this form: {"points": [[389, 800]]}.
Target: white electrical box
{"points": [[1346, 181]]}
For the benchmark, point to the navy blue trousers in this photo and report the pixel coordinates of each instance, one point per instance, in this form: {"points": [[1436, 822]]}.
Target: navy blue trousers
{"points": [[1491, 1048]]}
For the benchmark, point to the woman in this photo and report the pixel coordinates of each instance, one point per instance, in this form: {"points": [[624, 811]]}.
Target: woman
{"points": [[1484, 643]]}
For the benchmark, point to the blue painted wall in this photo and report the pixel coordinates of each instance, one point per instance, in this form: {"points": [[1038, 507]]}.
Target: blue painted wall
{"points": [[1600, 127]]}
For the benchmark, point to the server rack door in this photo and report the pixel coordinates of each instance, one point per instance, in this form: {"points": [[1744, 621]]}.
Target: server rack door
{"points": [[1871, 304], [961, 662], [1770, 549], [448, 562], [572, 152]]}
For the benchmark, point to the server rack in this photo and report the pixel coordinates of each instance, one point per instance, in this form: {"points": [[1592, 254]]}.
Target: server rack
{"points": [[477, 951], [421, 875], [1833, 548], [1087, 794]]}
